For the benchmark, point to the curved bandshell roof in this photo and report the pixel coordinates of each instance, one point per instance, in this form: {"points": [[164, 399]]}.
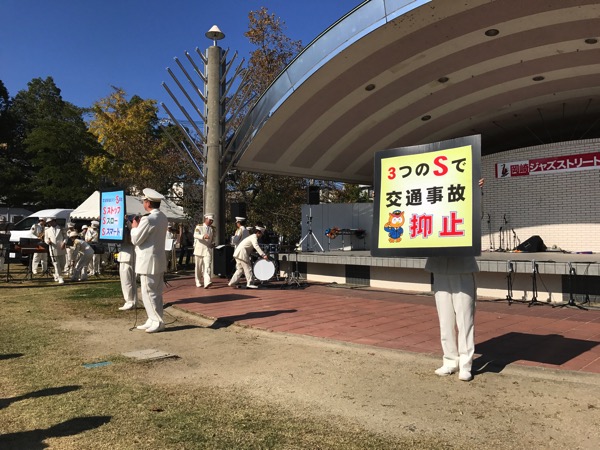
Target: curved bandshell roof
{"points": [[398, 73]]}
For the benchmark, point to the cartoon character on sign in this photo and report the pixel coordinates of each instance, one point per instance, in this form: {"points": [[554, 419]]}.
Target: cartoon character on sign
{"points": [[394, 226]]}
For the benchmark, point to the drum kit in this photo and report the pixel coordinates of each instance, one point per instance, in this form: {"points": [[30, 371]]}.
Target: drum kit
{"points": [[266, 270]]}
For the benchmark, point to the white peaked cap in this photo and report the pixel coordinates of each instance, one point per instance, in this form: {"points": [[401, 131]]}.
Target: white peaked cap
{"points": [[152, 195]]}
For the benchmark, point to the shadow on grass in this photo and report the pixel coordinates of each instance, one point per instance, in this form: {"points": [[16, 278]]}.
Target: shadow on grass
{"points": [[4, 402], [33, 439], [10, 356]]}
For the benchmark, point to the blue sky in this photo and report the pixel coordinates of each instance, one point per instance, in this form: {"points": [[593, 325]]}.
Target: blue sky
{"points": [[88, 46]]}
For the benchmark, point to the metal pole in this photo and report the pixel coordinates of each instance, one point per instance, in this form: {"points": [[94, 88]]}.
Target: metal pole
{"points": [[212, 199]]}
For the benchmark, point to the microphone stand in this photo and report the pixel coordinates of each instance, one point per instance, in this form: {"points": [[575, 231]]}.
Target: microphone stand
{"points": [[534, 290], [491, 236], [572, 279], [310, 235], [509, 282]]}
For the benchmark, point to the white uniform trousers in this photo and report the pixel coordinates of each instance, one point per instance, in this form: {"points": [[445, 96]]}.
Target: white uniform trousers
{"points": [[455, 302], [79, 272], [203, 269], [39, 259], [152, 287], [244, 267], [58, 261], [128, 286]]}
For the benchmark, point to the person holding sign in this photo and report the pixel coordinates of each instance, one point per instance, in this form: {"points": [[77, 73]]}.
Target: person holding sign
{"points": [[455, 293], [148, 235], [126, 261]]}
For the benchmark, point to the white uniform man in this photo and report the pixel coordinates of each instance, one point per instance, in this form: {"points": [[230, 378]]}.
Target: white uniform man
{"points": [[203, 248], [91, 237], [242, 256], [56, 238], [148, 235], [38, 231], [241, 231], [126, 261], [82, 255], [70, 258], [455, 294]]}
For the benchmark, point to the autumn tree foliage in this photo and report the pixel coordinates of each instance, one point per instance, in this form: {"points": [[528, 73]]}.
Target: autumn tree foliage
{"points": [[136, 153], [272, 199]]}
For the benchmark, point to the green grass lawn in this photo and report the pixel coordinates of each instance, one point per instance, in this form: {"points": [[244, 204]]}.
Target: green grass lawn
{"points": [[48, 397]]}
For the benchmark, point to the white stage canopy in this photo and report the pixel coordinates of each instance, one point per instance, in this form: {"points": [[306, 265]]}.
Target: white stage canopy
{"points": [[90, 208]]}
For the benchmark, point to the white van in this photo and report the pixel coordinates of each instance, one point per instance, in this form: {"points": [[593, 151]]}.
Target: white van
{"points": [[22, 229]]}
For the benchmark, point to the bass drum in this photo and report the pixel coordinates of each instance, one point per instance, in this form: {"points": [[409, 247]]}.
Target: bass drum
{"points": [[264, 269]]}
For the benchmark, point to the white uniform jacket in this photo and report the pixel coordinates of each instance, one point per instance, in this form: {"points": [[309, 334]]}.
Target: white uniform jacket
{"points": [[244, 249], [240, 234], [127, 249], [203, 247], [451, 265], [38, 230], [56, 237], [149, 241], [91, 236]]}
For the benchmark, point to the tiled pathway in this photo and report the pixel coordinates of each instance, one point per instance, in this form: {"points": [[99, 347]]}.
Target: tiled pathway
{"points": [[559, 338]]}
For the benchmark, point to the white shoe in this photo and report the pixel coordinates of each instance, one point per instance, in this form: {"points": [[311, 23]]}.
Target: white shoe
{"points": [[147, 325], [198, 285], [251, 286], [127, 306], [156, 327], [445, 371], [61, 281], [207, 285], [464, 375]]}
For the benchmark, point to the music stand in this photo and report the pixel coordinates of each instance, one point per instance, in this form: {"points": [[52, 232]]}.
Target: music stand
{"points": [[5, 251], [29, 246]]}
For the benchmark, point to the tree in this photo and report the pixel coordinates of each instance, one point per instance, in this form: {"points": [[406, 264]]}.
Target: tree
{"points": [[275, 200], [13, 168], [50, 143], [136, 153]]}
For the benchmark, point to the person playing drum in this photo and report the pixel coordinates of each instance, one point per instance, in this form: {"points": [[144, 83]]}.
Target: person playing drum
{"points": [[242, 256]]}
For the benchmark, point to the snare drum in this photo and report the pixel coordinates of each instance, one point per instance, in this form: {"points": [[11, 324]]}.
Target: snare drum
{"points": [[264, 269]]}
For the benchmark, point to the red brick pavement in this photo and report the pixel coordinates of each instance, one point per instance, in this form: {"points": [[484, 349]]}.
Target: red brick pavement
{"points": [[542, 336]]}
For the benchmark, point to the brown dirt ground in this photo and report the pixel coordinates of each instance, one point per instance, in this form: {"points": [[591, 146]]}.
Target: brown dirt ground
{"points": [[385, 391]]}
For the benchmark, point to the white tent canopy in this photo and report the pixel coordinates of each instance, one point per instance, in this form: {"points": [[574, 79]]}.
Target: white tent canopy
{"points": [[90, 208]]}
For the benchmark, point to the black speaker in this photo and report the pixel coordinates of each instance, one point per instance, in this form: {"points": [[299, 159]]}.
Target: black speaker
{"points": [[238, 210], [314, 195], [532, 245], [223, 262]]}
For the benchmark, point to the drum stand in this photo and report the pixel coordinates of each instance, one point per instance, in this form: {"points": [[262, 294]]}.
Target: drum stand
{"points": [[293, 276]]}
